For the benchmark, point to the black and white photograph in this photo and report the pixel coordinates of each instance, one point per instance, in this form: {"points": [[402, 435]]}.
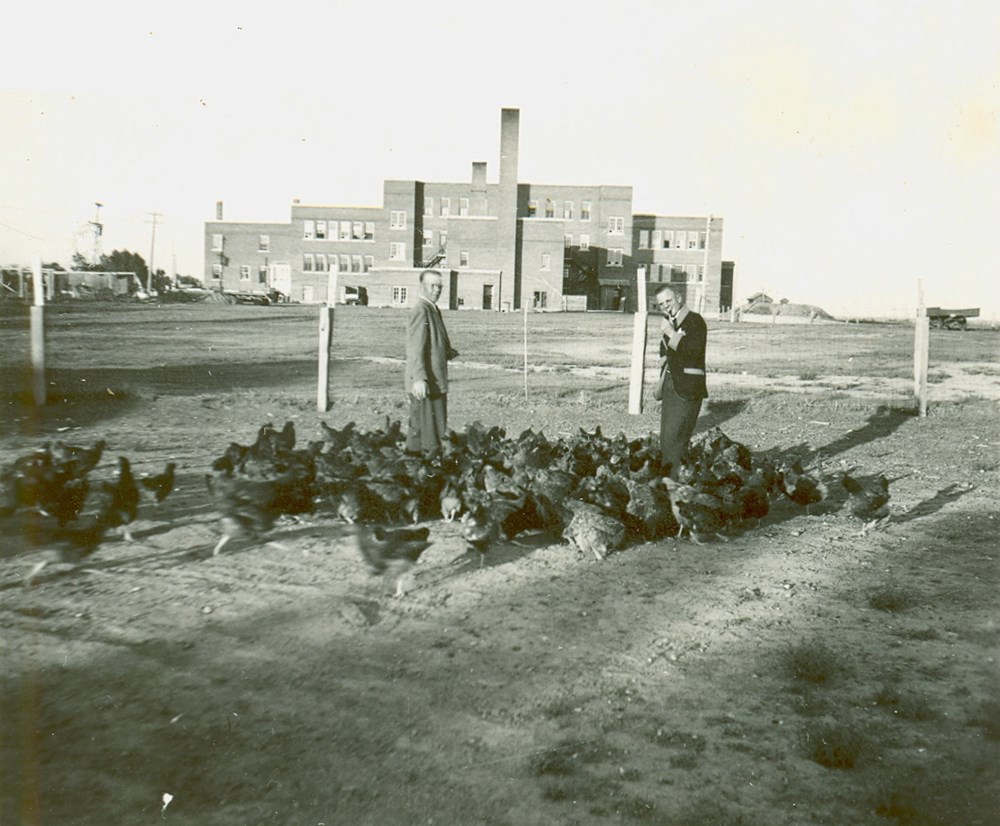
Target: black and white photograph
{"points": [[516, 414]]}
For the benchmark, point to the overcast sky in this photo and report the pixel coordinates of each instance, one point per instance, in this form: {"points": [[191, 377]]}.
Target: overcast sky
{"points": [[851, 147]]}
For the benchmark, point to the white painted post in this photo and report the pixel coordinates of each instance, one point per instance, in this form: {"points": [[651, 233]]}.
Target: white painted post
{"points": [[325, 342], [638, 370], [38, 333], [921, 351]]}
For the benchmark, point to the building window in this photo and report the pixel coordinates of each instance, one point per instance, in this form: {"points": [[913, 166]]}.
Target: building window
{"points": [[463, 206], [244, 272], [566, 271], [344, 264], [321, 230], [677, 274], [345, 230], [369, 230], [585, 211], [355, 263], [217, 243], [264, 243], [262, 274], [568, 239], [428, 237], [539, 299], [692, 240], [357, 230], [568, 210], [615, 257], [681, 237], [655, 239], [668, 238], [397, 251], [546, 261], [532, 209], [308, 262], [398, 296], [369, 262], [308, 229], [550, 208], [445, 207], [443, 235], [428, 206], [584, 241], [397, 219], [321, 262], [702, 240], [644, 239], [701, 272], [216, 270], [463, 258], [616, 225]]}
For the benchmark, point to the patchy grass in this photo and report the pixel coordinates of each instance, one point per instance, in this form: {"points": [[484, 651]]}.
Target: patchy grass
{"points": [[808, 375], [921, 634], [835, 745], [812, 662], [891, 598], [905, 705], [988, 718]]}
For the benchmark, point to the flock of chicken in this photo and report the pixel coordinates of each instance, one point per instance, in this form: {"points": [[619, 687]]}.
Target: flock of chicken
{"points": [[70, 512], [598, 493]]}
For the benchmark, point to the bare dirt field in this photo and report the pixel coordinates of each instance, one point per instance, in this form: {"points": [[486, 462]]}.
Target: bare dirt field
{"points": [[799, 673]]}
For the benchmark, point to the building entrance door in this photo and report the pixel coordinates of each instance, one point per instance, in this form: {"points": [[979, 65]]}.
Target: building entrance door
{"points": [[281, 279], [487, 296]]}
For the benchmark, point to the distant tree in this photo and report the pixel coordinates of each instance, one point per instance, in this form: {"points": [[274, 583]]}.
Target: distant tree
{"points": [[53, 265], [162, 282], [125, 261], [188, 281]]}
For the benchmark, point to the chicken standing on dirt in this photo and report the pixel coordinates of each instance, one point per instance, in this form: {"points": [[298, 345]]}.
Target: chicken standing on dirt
{"points": [[591, 529], [700, 513], [481, 529], [804, 486], [160, 485], [868, 502], [391, 550], [124, 498]]}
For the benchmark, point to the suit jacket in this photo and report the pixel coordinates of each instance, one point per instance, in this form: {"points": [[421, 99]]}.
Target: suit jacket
{"points": [[428, 348], [685, 355]]}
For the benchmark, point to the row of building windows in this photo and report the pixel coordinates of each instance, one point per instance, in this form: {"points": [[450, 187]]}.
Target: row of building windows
{"points": [[318, 262], [665, 239], [444, 207], [341, 230], [567, 209]]}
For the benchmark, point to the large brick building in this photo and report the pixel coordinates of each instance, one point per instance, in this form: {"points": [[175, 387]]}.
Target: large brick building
{"points": [[498, 245]]}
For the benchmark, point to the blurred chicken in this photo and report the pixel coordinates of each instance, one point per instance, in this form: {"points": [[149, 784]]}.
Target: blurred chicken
{"points": [[336, 440], [451, 502], [124, 498], [701, 514], [78, 461], [869, 501], [650, 511], [392, 551], [160, 485]]}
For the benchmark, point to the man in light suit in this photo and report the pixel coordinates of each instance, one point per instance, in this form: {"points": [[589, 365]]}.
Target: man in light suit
{"points": [[428, 351], [682, 355]]}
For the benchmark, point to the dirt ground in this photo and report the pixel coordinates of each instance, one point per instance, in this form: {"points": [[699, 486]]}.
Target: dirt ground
{"points": [[799, 673]]}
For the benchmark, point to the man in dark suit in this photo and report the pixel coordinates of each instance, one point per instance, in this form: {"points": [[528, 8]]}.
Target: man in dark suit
{"points": [[428, 351], [682, 356]]}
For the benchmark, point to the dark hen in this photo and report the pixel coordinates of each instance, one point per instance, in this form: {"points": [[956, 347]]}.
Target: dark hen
{"points": [[481, 530], [701, 514], [124, 498], [804, 486], [391, 550], [160, 485]]}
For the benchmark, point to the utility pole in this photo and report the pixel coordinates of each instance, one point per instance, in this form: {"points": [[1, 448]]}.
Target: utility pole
{"points": [[98, 229], [152, 245]]}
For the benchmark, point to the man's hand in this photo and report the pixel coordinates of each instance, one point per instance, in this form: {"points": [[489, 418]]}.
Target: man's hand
{"points": [[419, 390], [667, 327]]}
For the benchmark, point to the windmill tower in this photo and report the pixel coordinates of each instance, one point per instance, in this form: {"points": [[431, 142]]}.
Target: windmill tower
{"points": [[88, 238]]}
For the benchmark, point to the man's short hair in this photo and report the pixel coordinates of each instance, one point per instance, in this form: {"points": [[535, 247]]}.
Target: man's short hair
{"points": [[430, 272], [670, 288]]}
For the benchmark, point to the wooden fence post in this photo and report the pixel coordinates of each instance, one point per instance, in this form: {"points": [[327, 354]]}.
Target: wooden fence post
{"points": [[921, 351], [637, 373], [325, 342], [39, 390]]}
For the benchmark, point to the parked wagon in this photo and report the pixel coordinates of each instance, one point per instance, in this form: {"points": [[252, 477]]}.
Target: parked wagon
{"points": [[951, 319]]}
